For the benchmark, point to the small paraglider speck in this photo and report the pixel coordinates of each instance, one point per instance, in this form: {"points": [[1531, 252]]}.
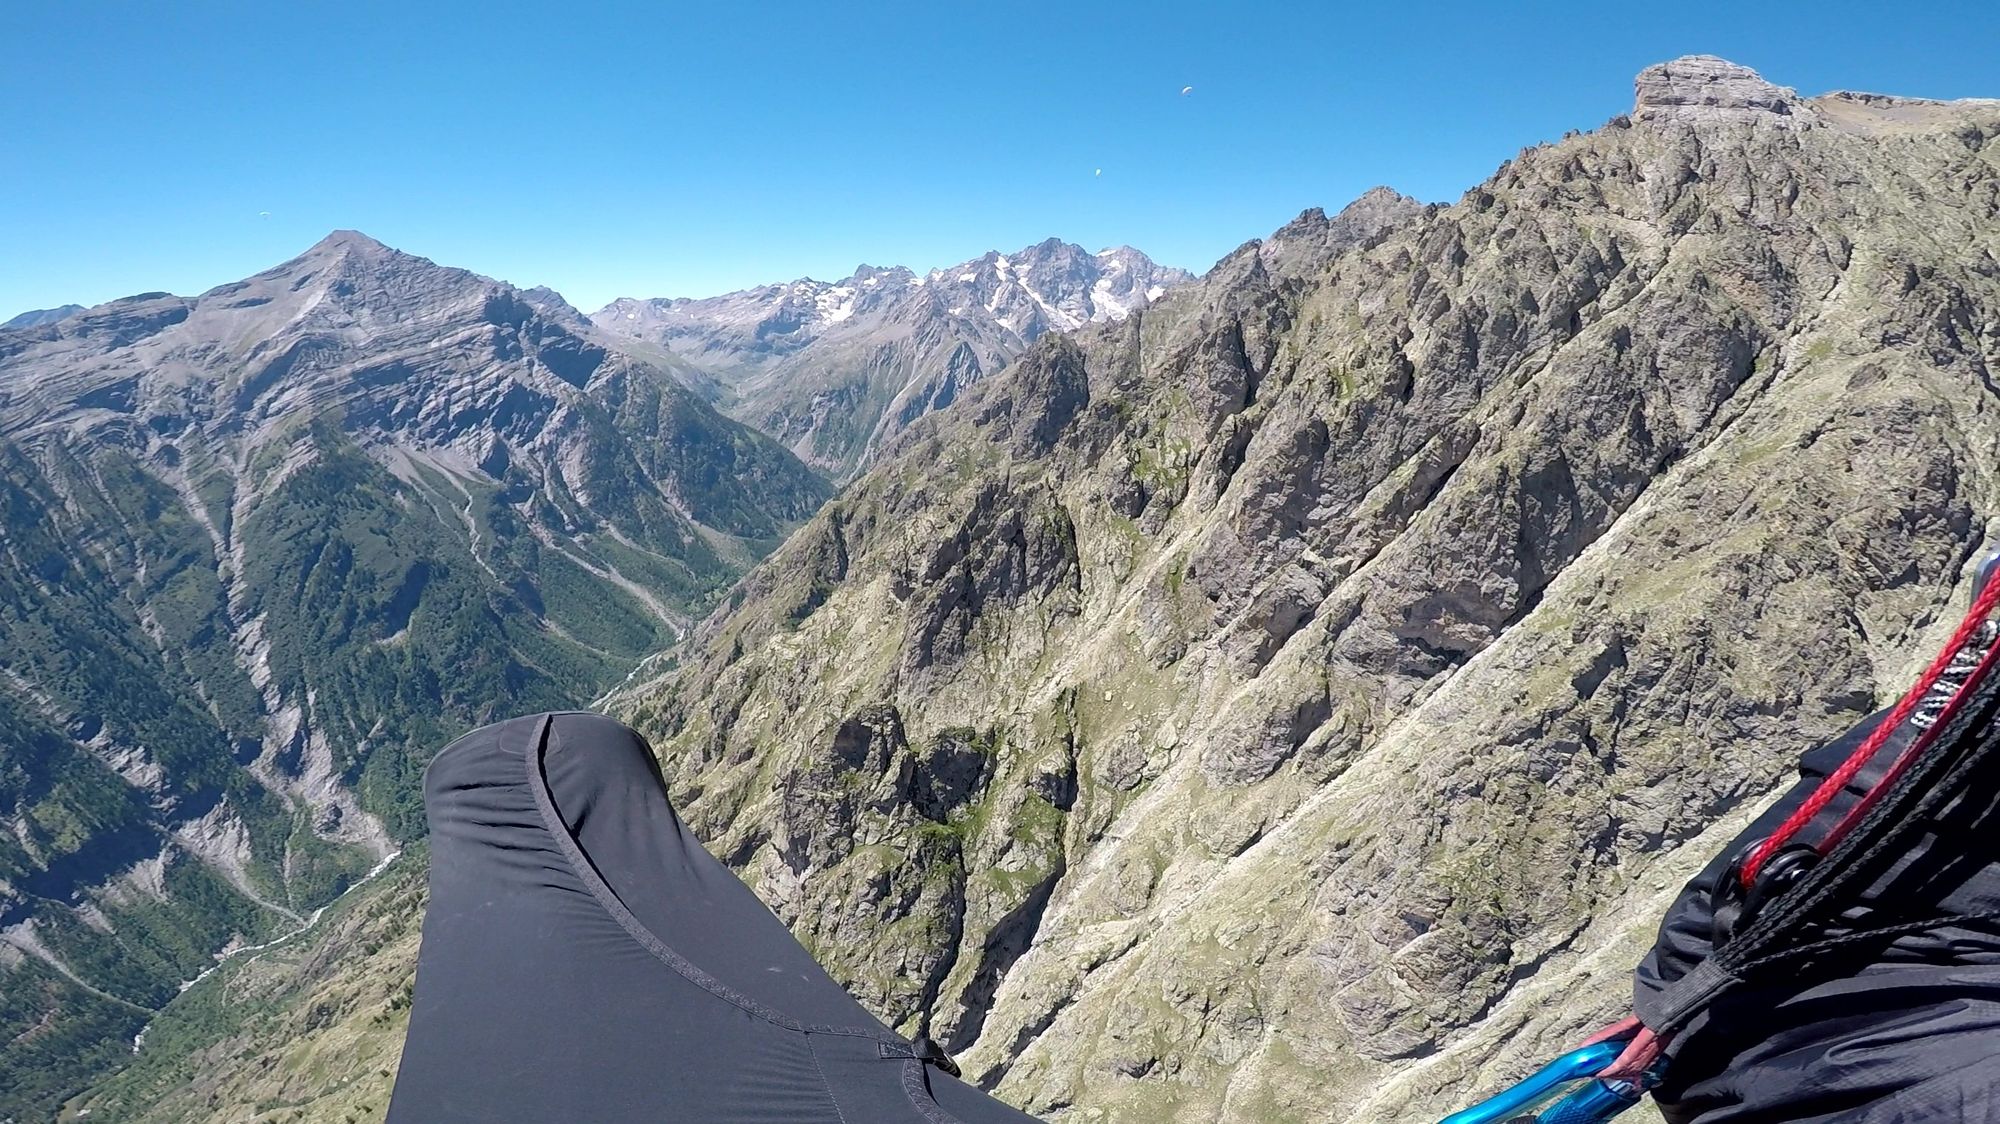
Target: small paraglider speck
{"points": [[263, 214], [1186, 90]]}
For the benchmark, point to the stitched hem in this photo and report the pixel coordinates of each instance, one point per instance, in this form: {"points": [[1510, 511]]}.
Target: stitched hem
{"points": [[921, 1098]]}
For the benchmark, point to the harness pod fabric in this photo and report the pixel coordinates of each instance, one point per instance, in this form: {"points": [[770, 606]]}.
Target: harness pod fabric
{"points": [[585, 959], [1906, 1028]]}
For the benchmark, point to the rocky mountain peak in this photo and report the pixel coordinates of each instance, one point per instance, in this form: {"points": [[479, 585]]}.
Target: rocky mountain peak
{"points": [[1705, 86], [556, 307], [349, 283], [350, 253], [1313, 236], [1050, 248], [865, 273], [341, 243], [1379, 202]]}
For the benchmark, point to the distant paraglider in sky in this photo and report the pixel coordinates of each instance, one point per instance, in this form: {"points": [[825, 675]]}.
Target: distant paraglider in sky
{"points": [[1186, 90]]}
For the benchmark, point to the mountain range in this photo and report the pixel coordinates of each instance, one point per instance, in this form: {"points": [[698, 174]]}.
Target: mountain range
{"points": [[836, 369], [1295, 698], [266, 548]]}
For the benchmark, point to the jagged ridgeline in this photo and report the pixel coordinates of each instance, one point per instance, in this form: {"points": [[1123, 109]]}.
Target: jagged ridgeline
{"points": [[1298, 701], [261, 553]]}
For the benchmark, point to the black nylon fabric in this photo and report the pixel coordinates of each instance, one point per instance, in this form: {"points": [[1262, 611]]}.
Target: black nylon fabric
{"points": [[585, 959], [1902, 1029]]}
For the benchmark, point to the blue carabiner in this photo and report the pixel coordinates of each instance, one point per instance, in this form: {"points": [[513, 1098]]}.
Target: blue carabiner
{"points": [[1551, 1081], [1599, 1100]]}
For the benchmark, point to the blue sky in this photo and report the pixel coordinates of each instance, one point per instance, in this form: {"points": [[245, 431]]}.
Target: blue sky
{"points": [[651, 149]]}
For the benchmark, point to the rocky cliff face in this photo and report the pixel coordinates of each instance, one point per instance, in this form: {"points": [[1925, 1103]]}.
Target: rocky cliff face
{"points": [[836, 369], [261, 552], [1297, 700]]}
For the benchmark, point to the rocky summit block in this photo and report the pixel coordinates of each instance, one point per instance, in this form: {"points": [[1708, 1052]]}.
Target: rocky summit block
{"points": [[1697, 85]]}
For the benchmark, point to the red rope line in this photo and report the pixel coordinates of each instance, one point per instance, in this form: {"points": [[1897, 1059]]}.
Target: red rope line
{"points": [[1910, 755], [1838, 780], [1636, 1060]]}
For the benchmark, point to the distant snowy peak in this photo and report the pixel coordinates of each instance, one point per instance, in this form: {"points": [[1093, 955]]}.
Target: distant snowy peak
{"points": [[1128, 279], [1053, 285], [834, 369]]}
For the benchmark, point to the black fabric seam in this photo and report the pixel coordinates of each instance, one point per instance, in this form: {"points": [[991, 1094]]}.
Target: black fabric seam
{"points": [[824, 1083], [608, 899]]}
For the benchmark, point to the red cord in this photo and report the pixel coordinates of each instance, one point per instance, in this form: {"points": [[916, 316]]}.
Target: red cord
{"points": [[1831, 787], [1910, 755], [1623, 1028], [1635, 1063]]}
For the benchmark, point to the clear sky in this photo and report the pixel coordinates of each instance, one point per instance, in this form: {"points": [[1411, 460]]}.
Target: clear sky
{"points": [[667, 149]]}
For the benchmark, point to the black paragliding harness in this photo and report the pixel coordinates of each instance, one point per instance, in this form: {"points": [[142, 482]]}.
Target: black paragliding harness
{"points": [[1779, 897]]}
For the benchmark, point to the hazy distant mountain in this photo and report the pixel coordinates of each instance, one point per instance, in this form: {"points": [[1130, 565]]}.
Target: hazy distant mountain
{"points": [[42, 316], [266, 549], [832, 368]]}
